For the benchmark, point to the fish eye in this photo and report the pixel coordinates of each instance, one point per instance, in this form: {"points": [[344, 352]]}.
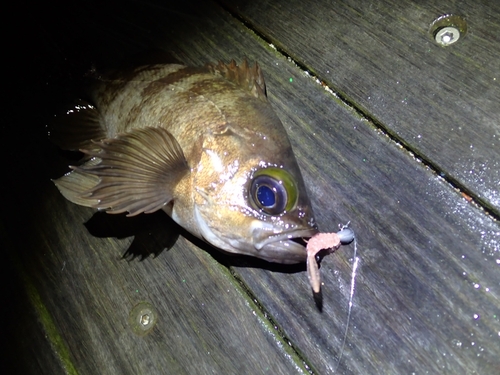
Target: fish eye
{"points": [[273, 191]]}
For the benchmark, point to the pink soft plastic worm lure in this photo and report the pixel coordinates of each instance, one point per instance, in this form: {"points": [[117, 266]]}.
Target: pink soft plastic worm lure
{"points": [[322, 241]]}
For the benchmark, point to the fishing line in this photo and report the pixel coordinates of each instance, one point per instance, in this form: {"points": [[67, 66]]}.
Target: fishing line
{"points": [[351, 297]]}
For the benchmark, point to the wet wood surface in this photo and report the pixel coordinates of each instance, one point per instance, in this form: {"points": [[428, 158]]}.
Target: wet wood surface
{"points": [[427, 296], [380, 57]]}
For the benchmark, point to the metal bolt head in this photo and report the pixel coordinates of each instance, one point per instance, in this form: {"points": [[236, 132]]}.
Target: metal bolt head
{"points": [[447, 35], [142, 318], [145, 319]]}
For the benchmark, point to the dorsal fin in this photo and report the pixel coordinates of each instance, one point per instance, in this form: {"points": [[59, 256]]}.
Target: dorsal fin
{"points": [[247, 77], [76, 127]]}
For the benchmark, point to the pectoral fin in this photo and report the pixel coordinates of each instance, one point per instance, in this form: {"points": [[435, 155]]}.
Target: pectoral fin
{"points": [[75, 185], [135, 172]]}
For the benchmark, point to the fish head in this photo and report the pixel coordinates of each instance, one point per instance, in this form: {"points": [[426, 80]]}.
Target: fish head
{"points": [[250, 197]]}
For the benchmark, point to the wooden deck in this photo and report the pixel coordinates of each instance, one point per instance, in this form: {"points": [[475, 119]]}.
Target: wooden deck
{"points": [[394, 133]]}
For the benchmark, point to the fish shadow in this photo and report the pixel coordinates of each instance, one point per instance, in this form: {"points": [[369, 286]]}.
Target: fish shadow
{"points": [[156, 232], [153, 233]]}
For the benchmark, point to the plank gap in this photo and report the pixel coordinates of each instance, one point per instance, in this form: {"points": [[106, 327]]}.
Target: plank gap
{"points": [[419, 157], [268, 316]]}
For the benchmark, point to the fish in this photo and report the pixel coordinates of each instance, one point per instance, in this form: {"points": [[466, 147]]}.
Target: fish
{"points": [[202, 144]]}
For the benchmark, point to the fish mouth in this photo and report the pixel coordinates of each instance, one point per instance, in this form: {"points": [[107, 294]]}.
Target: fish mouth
{"points": [[287, 247]]}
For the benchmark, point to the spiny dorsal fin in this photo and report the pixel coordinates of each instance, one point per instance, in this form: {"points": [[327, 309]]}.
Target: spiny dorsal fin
{"points": [[136, 172], [75, 128], [248, 77]]}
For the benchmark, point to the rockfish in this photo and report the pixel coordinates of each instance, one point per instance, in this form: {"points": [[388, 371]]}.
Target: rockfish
{"points": [[201, 143]]}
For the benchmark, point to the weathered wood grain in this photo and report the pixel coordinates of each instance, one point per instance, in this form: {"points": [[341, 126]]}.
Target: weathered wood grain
{"points": [[83, 294], [74, 292], [428, 259], [443, 103]]}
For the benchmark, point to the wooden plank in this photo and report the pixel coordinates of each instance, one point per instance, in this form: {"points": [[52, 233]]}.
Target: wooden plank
{"points": [[74, 291], [83, 295], [428, 257], [442, 103]]}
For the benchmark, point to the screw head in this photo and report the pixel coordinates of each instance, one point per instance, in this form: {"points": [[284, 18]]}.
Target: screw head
{"points": [[447, 35], [145, 319], [448, 29], [142, 318]]}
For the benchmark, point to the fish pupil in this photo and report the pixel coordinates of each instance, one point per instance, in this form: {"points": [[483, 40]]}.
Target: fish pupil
{"points": [[270, 190], [266, 196]]}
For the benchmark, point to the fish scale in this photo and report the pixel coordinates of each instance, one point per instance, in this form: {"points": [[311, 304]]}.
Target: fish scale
{"points": [[202, 144]]}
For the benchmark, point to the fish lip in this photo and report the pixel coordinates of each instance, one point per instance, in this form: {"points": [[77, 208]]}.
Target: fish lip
{"points": [[283, 247], [286, 248], [289, 236]]}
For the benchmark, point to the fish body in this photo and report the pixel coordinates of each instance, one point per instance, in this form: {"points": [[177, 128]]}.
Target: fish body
{"points": [[202, 144]]}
